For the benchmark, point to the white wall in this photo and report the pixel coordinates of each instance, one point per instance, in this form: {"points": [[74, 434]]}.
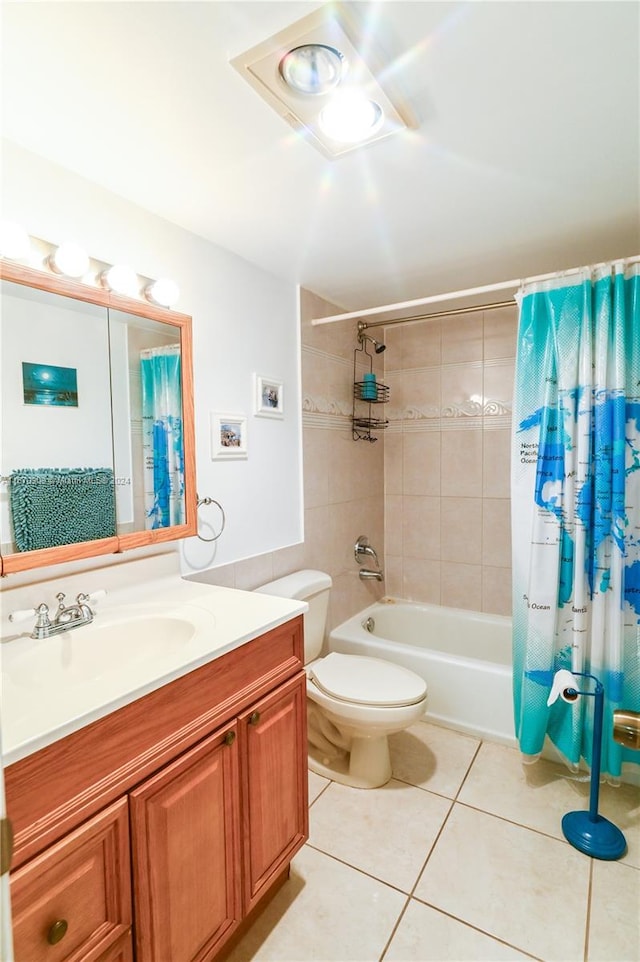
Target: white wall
{"points": [[244, 321]]}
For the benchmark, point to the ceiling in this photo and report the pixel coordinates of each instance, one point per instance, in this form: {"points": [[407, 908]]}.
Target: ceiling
{"points": [[524, 156]]}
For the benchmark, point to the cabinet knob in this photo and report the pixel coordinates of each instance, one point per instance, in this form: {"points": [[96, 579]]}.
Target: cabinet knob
{"points": [[254, 717], [57, 931], [229, 738]]}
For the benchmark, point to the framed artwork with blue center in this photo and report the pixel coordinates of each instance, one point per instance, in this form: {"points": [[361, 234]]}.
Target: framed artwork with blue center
{"points": [[50, 385]]}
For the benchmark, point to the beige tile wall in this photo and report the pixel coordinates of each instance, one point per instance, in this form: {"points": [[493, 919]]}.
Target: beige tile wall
{"points": [[447, 507], [432, 493]]}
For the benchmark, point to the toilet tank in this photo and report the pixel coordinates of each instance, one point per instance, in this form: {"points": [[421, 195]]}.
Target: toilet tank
{"points": [[313, 587]]}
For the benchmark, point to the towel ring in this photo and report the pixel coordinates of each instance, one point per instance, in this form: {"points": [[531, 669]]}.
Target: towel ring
{"points": [[207, 501]]}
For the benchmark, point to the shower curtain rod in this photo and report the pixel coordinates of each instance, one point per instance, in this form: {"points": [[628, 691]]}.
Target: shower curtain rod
{"points": [[454, 295], [365, 326]]}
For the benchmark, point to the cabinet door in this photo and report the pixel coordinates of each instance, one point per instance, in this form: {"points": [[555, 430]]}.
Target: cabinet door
{"points": [[74, 900], [185, 827], [274, 783]]}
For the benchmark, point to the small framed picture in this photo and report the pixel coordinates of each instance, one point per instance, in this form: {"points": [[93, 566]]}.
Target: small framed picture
{"points": [[269, 397], [228, 436], [50, 385]]}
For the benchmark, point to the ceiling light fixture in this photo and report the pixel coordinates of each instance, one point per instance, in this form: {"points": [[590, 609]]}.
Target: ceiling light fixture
{"points": [[302, 69], [70, 259], [312, 68]]}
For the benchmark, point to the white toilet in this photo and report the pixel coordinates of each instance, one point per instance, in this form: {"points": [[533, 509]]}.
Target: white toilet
{"points": [[354, 702]]}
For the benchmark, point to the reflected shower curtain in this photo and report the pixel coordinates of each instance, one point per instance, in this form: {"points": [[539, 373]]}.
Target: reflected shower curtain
{"points": [[576, 505], [162, 442]]}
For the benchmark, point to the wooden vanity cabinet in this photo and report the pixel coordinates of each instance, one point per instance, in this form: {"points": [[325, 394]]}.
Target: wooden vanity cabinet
{"points": [[203, 837]]}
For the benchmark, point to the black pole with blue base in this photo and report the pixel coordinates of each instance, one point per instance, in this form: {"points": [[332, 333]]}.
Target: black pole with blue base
{"points": [[590, 832]]}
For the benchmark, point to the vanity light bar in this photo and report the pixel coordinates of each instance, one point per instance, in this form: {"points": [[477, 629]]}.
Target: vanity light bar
{"points": [[73, 261]]}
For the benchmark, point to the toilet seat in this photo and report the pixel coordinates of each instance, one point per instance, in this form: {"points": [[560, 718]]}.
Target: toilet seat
{"points": [[367, 681]]}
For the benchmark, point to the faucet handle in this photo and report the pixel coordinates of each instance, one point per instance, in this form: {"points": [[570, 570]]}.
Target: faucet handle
{"points": [[93, 597], [22, 614]]}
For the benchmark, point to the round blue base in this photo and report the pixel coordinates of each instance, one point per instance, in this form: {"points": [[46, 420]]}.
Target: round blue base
{"points": [[599, 838]]}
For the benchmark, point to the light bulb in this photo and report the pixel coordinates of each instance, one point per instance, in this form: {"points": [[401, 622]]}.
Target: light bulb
{"points": [[121, 279], [164, 292], [313, 68], [70, 259], [350, 117], [14, 241]]}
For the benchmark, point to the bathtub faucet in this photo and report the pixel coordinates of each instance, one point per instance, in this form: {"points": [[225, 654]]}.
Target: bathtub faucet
{"points": [[362, 550]]}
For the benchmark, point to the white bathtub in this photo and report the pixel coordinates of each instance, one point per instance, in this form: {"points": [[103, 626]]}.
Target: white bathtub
{"points": [[464, 657]]}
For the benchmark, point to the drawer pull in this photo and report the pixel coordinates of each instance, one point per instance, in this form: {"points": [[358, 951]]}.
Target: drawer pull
{"points": [[57, 931], [254, 717], [229, 738]]}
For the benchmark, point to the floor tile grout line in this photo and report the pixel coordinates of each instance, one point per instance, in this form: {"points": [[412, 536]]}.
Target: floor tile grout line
{"points": [[470, 925], [395, 929], [468, 771], [320, 793], [587, 926], [360, 871], [432, 848], [510, 821]]}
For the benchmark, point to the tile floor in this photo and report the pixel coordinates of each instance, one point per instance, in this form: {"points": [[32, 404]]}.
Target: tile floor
{"points": [[459, 857]]}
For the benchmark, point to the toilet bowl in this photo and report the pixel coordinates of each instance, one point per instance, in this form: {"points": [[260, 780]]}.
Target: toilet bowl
{"points": [[353, 702]]}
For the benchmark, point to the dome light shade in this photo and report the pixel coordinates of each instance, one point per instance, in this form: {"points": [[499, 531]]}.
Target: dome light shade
{"points": [[312, 68], [350, 117], [70, 259], [14, 241], [121, 279], [163, 292]]}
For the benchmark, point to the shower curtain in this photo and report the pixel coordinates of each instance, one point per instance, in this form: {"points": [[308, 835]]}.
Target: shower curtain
{"points": [[162, 443], [576, 505]]}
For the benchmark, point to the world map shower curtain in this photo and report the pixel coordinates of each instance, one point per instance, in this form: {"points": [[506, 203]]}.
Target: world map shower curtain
{"points": [[576, 505], [162, 442]]}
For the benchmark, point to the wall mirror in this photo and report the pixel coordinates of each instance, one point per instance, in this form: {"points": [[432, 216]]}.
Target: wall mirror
{"points": [[97, 449]]}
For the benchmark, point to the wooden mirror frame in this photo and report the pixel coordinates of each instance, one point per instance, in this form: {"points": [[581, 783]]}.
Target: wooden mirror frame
{"points": [[25, 560]]}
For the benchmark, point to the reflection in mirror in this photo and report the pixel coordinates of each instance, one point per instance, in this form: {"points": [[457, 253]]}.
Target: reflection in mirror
{"points": [[147, 422], [56, 457], [97, 450]]}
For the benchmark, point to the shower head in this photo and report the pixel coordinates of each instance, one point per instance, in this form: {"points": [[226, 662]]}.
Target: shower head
{"points": [[378, 347]]}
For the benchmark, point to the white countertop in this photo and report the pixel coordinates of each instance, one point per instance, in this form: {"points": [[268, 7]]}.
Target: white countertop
{"points": [[53, 687]]}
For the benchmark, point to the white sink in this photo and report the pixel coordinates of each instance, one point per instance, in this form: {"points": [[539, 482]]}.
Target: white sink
{"points": [[87, 654]]}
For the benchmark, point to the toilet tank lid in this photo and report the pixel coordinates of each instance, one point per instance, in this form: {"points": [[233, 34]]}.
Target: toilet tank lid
{"points": [[299, 585]]}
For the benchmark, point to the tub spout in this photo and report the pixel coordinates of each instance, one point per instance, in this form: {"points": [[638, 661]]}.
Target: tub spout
{"points": [[366, 574]]}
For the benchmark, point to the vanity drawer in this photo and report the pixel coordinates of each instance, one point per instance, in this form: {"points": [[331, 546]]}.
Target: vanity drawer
{"points": [[74, 900]]}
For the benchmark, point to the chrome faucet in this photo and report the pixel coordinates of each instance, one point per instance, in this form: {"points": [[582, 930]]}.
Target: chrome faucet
{"points": [[66, 617], [362, 549]]}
